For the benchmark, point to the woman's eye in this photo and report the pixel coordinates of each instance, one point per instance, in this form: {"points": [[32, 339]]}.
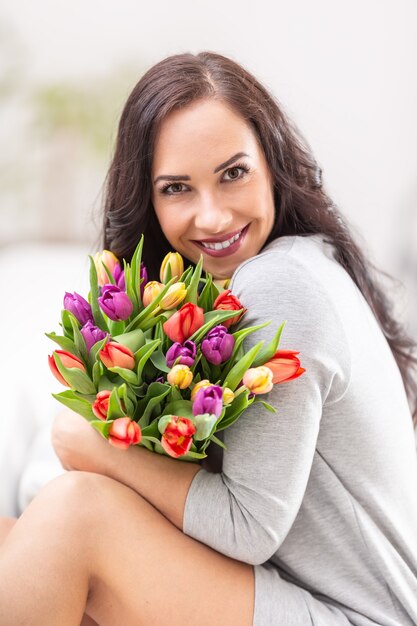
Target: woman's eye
{"points": [[235, 172], [172, 189]]}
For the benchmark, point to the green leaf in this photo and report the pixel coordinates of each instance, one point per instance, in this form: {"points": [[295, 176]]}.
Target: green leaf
{"points": [[152, 403], [70, 400], [116, 328], [158, 359], [138, 321], [205, 300], [212, 319], [92, 297], [95, 349], [182, 408], [78, 338], [145, 352], [109, 274], [218, 442], [115, 409], [236, 373], [268, 406], [192, 290], [239, 337], [64, 342], [102, 427], [269, 350], [234, 411], [186, 276], [134, 339], [127, 375], [96, 373]]}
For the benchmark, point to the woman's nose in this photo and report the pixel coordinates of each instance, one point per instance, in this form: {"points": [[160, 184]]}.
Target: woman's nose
{"points": [[212, 216]]}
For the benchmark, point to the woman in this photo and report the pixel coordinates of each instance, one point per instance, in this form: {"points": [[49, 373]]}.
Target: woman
{"points": [[310, 516]]}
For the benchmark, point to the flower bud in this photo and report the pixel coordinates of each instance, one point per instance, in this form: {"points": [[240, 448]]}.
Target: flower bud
{"points": [[117, 355], [181, 376], [101, 404], [68, 360], [200, 385], [258, 379], [174, 296], [79, 307], [110, 261], [92, 334], [177, 434], [184, 322], [218, 345], [186, 352], [174, 259], [208, 400], [115, 303], [151, 291], [285, 366], [228, 395], [226, 301], [124, 433]]}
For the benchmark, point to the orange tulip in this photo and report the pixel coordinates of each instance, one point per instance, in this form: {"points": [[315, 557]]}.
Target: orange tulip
{"points": [[124, 433], [184, 322], [178, 436], [68, 360], [101, 404], [285, 366], [117, 355], [226, 301]]}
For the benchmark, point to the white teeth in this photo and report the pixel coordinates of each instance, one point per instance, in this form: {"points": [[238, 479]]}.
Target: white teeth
{"points": [[221, 245]]}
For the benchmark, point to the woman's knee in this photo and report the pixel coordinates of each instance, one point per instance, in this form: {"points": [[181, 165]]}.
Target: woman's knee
{"points": [[6, 525]]}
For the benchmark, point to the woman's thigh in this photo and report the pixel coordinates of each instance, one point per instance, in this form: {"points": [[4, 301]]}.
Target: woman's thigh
{"points": [[148, 572]]}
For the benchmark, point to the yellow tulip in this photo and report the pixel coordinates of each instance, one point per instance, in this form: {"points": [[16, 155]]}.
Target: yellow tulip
{"points": [[228, 395], [151, 291], [110, 261], [181, 376], [258, 379], [174, 259], [174, 296]]}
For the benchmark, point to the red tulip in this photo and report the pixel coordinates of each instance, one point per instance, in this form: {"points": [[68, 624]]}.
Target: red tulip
{"points": [[226, 301], [101, 404], [178, 436], [285, 366], [184, 322], [68, 360], [117, 355], [124, 433]]}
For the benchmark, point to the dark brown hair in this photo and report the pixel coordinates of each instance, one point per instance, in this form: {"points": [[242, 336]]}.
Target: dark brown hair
{"points": [[302, 205]]}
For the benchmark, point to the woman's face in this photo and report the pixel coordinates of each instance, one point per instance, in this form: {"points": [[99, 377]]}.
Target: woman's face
{"points": [[212, 190]]}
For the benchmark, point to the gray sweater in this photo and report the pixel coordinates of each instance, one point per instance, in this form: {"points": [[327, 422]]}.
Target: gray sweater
{"points": [[326, 488]]}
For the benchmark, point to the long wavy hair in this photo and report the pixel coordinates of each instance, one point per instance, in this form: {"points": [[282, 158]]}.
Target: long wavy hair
{"points": [[302, 206]]}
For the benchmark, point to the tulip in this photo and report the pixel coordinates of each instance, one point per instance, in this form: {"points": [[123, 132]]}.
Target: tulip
{"points": [[117, 355], [185, 352], [226, 301], [177, 436], [184, 322], [110, 261], [228, 395], [144, 277], [100, 406], [79, 307], [174, 259], [181, 376], [258, 379], [218, 345], [115, 303], [92, 334], [68, 360], [208, 400], [151, 291], [200, 385], [285, 366], [174, 296], [119, 277], [124, 433]]}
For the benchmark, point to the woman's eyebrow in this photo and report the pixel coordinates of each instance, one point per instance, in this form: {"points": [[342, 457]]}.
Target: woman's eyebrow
{"points": [[179, 177]]}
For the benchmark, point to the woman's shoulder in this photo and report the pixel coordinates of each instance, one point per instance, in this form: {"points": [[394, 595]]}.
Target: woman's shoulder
{"points": [[289, 258]]}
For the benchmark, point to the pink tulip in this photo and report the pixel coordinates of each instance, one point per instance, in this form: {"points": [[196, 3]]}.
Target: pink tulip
{"points": [[117, 355], [124, 433]]}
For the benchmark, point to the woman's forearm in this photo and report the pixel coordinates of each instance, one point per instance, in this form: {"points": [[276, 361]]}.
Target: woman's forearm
{"points": [[162, 481]]}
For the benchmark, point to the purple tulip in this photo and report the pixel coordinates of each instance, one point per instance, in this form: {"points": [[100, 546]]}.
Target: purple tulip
{"points": [[78, 306], [185, 351], [115, 303], [119, 277], [92, 334], [218, 345], [208, 400], [144, 275]]}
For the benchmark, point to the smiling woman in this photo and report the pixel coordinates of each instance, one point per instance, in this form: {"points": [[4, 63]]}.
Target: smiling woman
{"points": [[307, 516]]}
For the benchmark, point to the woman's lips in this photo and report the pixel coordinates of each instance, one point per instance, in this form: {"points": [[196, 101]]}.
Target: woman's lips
{"points": [[225, 251]]}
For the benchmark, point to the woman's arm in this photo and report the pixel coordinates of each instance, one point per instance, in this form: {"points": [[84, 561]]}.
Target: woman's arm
{"points": [[162, 481]]}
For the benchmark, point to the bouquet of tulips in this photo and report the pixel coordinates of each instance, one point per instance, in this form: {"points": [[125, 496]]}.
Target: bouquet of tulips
{"points": [[157, 364]]}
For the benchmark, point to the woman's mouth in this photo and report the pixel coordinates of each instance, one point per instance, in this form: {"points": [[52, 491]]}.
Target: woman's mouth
{"points": [[226, 247]]}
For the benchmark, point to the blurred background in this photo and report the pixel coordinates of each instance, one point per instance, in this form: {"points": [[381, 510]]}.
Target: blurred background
{"points": [[345, 72]]}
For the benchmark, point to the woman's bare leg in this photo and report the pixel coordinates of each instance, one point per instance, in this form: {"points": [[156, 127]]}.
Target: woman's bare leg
{"points": [[101, 547]]}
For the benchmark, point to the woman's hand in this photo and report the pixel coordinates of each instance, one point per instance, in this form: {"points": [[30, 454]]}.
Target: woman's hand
{"points": [[78, 445]]}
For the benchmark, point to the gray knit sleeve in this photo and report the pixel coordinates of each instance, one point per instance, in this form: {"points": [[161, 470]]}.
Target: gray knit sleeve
{"points": [[247, 509]]}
